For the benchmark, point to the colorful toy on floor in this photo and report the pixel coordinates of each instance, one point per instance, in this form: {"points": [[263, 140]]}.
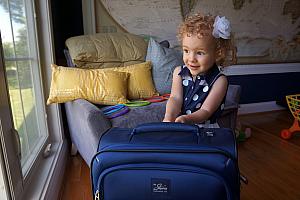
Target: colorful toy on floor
{"points": [[241, 135], [293, 102]]}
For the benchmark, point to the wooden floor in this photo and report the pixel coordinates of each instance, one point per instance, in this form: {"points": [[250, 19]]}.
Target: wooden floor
{"points": [[272, 165]]}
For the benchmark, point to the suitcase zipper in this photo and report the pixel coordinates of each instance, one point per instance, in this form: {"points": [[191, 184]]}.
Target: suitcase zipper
{"points": [[97, 197], [160, 151], [119, 168], [165, 151]]}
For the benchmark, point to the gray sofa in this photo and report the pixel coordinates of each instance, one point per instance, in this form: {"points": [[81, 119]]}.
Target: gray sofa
{"points": [[87, 122]]}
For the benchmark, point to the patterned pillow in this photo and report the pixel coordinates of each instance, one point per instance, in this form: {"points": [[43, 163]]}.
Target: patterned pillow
{"points": [[164, 60]]}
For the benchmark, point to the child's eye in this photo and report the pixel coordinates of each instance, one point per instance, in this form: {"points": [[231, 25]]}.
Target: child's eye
{"points": [[185, 51], [200, 53]]}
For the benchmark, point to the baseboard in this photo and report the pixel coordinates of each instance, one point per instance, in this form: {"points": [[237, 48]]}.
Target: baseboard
{"points": [[259, 107]]}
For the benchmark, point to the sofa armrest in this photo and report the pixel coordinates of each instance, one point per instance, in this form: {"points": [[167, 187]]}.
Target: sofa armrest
{"points": [[86, 125], [229, 114], [228, 118], [233, 95]]}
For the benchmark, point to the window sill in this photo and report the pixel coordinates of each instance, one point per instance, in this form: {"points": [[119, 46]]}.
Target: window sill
{"points": [[48, 178]]}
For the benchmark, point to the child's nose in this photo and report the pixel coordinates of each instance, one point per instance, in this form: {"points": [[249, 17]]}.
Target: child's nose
{"points": [[192, 57]]}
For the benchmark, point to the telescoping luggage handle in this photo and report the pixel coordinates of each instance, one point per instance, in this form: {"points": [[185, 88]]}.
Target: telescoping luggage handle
{"points": [[165, 127]]}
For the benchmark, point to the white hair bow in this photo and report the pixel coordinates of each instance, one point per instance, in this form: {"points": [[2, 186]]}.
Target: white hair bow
{"points": [[222, 28]]}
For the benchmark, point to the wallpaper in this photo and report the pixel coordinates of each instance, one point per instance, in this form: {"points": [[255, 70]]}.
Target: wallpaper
{"points": [[265, 31]]}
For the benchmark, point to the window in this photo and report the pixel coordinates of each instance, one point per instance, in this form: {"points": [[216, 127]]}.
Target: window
{"points": [[27, 124], [23, 79]]}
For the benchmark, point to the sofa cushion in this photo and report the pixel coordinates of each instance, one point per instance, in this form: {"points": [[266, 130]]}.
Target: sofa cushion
{"points": [[164, 60], [154, 112], [140, 83], [94, 85], [106, 50]]}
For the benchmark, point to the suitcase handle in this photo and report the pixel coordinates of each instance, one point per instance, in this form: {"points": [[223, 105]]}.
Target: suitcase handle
{"points": [[165, 127]]}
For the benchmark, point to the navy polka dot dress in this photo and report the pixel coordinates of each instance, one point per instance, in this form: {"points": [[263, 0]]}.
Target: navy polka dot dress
{"points": [[195, 92]]}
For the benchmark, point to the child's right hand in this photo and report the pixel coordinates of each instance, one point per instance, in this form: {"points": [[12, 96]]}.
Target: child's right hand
{"points": [[167, 120]]}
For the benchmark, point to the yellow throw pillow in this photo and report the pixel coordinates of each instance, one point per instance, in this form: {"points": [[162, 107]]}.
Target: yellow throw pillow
{"points": [[140, 83], [94, 85]]}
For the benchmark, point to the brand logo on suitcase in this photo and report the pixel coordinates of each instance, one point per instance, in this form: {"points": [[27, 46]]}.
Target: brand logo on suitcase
{"points": [[160, 186]]}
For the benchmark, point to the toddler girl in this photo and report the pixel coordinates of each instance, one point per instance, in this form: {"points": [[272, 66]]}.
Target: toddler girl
{"points": [[199, 88]]}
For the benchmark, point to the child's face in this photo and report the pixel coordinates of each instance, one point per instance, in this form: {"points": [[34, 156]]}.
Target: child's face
{"points": [[199, 54]]}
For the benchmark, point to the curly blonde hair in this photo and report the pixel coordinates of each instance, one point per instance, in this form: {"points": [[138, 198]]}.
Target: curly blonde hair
{"points": [[202, 25]]}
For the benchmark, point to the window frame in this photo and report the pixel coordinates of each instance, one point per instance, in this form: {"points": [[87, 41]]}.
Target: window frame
{"points": [[44, 179]]}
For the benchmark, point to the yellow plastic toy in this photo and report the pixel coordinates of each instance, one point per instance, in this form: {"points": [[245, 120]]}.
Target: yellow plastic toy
{"points": [[293, 102]]}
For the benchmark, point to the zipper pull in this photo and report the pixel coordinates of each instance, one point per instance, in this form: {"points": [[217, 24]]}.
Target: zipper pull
{"points": [[244, 179], [97, 195]]}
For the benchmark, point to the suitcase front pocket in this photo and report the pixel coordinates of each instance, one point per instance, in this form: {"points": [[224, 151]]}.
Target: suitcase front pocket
{"points": [[164, 181]]}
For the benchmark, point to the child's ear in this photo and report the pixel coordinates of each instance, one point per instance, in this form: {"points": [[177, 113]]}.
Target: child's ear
{"points": [[220, 55]]}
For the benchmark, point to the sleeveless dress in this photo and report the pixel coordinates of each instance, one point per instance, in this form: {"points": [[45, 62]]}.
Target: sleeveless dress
{"points": [[196, 91]]}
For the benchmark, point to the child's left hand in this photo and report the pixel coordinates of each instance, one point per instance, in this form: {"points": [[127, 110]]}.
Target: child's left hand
{"points": [[181, 119]]}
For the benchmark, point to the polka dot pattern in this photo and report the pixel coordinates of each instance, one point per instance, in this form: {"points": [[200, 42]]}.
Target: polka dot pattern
{"points": [[196, 91], [222, 106], [202, 82], [185, 82], [188, 112], [195, 97]]}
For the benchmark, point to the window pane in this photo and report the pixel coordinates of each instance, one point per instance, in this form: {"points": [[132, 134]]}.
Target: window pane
{"points": [[23, 106], [23, 77]]}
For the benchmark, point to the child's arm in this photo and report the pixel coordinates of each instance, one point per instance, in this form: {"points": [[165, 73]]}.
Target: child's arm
{"points": [[210, 105], [174, 103]]}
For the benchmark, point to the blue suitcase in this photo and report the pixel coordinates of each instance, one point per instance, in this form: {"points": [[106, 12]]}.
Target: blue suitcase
{"points": [[166, 161]]}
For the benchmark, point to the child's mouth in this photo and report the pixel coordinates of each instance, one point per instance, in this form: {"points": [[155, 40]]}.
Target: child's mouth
{"points": [[193, 67]]}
